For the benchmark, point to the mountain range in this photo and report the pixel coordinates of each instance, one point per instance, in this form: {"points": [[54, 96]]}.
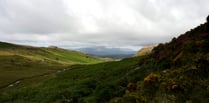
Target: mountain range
{"points": [[102, 51]]}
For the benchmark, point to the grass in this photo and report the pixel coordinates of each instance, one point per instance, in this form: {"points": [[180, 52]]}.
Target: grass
{"points": [[82, 83], [15, 67], [88, 81], [28, 63], [51, 54], [145, 51]]}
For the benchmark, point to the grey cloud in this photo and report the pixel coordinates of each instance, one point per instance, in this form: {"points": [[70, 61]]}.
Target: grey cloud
{"points": [[35, 16], [123, 23]]}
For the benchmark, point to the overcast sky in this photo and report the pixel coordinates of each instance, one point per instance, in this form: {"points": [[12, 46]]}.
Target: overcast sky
{"points": [[84, 23]]}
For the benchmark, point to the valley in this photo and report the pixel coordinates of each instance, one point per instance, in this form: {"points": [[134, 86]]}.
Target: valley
{"points": [[173, 72]]}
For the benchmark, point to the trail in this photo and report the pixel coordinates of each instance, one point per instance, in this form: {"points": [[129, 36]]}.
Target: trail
{"points": [[18, 81], [133, 70]]}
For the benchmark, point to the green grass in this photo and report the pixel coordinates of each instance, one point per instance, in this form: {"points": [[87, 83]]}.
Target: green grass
{"points": [[28, 63], [16, 67], [109, 82], [51, 54], [81, 83], [88, 81]]}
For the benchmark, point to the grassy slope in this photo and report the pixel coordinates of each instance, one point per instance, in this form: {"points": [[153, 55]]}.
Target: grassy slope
{"points": [[22, 62], [50, 54], [145, 50], [85, 83]]}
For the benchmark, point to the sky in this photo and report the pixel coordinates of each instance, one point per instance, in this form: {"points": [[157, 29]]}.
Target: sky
{"points": [[89, 23]]}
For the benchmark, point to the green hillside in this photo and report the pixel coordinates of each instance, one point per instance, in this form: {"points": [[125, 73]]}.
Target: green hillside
{"points": [[56, 55], [174, 72], [19, 62], [81, 83]]}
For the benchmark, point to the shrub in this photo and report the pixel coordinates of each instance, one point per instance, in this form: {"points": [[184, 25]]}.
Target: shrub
{"points": [[202, 65], [131, 87], [151, 84], [151, 78], [130, 99]]}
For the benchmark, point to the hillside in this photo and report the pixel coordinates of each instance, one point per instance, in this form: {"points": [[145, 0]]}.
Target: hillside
{"points": [[49, 54], [80, 83], [19, 62], [145, 50], [174, 72], [180, 75]]}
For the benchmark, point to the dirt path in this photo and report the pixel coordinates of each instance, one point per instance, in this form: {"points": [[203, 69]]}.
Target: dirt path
{"points": [[18, 81]]}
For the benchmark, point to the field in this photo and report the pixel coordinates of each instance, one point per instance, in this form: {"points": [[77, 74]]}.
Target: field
{"points": [[21, 64], [90, 83]]}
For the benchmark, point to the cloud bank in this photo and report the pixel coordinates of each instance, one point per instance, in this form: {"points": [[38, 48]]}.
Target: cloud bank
{"points": [[83, 23]]}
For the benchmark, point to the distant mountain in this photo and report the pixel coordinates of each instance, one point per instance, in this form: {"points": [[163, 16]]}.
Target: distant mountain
{"points": [[103, 51], [145, 50]]}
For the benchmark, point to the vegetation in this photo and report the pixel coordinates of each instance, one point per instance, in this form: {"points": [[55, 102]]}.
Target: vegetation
{"points": [[145, 50], [182, 74], [24, 63], [89, 83], [55, 55]]}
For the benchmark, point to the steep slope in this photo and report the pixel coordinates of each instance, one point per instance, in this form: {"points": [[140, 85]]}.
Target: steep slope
{"points": [[181, 74]]}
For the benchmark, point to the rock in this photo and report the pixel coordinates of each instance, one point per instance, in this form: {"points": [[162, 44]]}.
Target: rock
{"points": [[53, 47]]}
